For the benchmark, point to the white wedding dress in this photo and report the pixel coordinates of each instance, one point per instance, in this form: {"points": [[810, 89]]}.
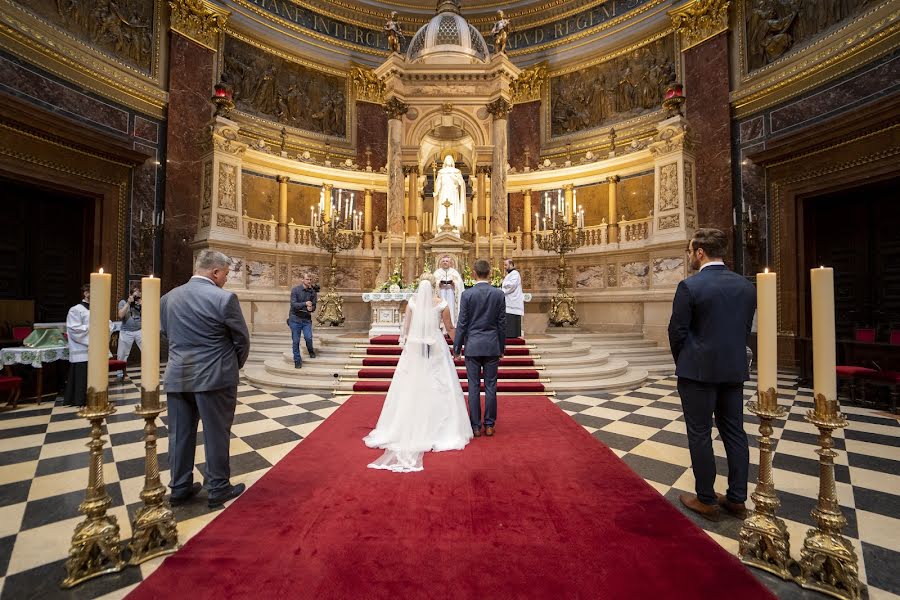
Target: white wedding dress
{"points": [[424, 410]]}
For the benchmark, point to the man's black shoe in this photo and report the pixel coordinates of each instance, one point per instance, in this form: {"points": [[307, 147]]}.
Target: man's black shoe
{"points": [[183, 497], [312, 354], [298, 365], [229, 494]]}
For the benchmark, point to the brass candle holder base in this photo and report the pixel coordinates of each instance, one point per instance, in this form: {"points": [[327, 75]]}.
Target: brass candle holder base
{"points": [[154, 529], [95, 548], [828, 562], [764, 539], [331, 309], [562, 310]]}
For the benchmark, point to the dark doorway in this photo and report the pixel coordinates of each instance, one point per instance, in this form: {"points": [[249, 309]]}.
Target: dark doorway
{"points": [[45, 249], [857, 232]]}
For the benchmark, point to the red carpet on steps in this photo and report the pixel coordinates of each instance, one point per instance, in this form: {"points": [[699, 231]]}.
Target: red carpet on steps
{"points": [[385, 350], [391, 361], [503, 374], [382, 385], [395, 339], [540, 510]]}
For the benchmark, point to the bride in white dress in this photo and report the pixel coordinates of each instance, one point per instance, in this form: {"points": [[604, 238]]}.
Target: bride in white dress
{"points": [[424, 410]]}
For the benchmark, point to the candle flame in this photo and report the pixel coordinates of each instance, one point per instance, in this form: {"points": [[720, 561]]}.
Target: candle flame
{"points": [[767, 269], [821, 266], [151, 275], [101, 270]]}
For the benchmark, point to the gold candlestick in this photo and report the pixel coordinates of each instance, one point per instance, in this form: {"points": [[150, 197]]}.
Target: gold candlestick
{"points": [[154, 529], [95, 548], [828, 562], [764, 539]]}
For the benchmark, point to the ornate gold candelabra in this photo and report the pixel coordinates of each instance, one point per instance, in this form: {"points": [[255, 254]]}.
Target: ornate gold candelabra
{"points": [[333, 237], [764, 539], [562, 239], [95, 548], [828, 563], [154, 530]]}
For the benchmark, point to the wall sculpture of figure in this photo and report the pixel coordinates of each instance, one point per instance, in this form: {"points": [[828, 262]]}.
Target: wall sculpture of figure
{"points": [[612, 91], [278, 89], [394, 33], [500, 31]]}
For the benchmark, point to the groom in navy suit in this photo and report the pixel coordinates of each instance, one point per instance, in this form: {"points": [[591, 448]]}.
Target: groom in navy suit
{"points": [[481, 327], [711, 317]]}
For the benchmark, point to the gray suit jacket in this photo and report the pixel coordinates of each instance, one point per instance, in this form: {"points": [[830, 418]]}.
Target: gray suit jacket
{"points": [[208, 337], [481, 325]]}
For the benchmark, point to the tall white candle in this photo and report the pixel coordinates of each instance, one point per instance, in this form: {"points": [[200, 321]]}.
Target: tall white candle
{"points": [[150, 333], [767, 331], [824, 377], [98, 332]]}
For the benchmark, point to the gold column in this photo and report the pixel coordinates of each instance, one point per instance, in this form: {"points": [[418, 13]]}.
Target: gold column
{"points": [[569, 195], [526, 230], [327, 187], [282, 207], [368, 238], [613, 231]]}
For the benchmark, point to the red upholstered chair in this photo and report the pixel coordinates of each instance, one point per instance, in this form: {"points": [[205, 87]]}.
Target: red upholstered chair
{"points": [[20, 333], [117, 365], [894, 338], [889, 379], [850, 375], [865, 334], [13, 385]]}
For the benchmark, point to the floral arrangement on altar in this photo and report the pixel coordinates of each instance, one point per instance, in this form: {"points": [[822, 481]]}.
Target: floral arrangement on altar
{"points": [[469, 279]]}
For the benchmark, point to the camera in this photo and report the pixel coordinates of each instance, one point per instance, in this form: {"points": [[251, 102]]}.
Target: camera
{"points": [[316, 288]]}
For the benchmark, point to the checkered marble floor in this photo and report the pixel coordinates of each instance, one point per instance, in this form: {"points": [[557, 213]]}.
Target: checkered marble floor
{"points": [[43, 473]]}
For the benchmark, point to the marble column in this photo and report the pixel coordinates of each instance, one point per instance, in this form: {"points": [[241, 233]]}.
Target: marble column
{"points": [[499, 110], [613, 229], [411, 202], [395, 110], [282, 207], [526, 221], [192, 49], [480, 199], [368, 238]]}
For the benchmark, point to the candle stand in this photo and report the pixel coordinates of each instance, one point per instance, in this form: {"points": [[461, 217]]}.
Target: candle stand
{"points": [[562, 239], [332, 236]]}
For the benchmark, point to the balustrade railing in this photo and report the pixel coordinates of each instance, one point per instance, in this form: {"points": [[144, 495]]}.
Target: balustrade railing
{"points": [[261, 230], [636, 230]]}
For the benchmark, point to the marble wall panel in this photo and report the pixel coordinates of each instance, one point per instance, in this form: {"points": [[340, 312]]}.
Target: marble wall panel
{"points": [[594, 199], [667, 271], [260, 274], [371, 134], [237, 272], [143, 210], [524, 125], [516, 219], [634, 274], [348, 278], [590, 277], [634, 196], [297, 272], [544, 278], [145, 129], [260, 195], [379, 211], [302, 197]]}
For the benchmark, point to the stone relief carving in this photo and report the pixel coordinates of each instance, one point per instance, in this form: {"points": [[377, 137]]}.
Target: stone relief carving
{"points": [[204, 219], [668, 187], [282, 275], [688, 185], [669, 222], [528, 84], [207, 185], [368, 86], [194, 19], [123, 28], [612, 91], [775, 27], [611, 278], [691, 221], [227, 221], [700, 21], [272, 87], [227, 186]]}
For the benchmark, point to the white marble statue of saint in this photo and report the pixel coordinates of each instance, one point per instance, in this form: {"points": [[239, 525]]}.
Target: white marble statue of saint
{"points": [[449, 186], [450, 285]]}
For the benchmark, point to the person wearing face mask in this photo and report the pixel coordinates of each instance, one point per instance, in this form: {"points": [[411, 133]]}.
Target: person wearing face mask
{"points": [[515, 299], [130, 315]]}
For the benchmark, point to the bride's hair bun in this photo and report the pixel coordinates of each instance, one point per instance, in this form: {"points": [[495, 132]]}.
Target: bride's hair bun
{"points": [[429, 277]]}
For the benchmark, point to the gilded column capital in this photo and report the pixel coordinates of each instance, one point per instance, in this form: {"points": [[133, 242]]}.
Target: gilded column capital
{"points": [[483, 170], [527, 86], [699, 20], [613, 179], [199, 20], [369, 87], [499, 108], [395, 108], [282, 178], [410, 169], [569, 187]]}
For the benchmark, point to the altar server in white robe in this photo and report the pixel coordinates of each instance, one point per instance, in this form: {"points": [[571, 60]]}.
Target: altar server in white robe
{"points": [[450, 285], [515, 299]]}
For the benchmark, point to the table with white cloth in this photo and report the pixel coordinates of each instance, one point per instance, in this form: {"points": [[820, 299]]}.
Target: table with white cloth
{"points": [[35, 358], [387, 311]]}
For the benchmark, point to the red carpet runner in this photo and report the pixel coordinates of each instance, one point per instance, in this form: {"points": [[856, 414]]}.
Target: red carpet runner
{"points": [[541, 510], [514, 376]]}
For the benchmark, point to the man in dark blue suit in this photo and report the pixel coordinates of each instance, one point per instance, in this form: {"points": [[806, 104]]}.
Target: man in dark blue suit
{"points": [[481, 328], [711, 317]]}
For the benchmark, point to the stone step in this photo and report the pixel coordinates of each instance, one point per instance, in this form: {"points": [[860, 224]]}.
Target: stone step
{"points": [[585, 360], [321, 385], [597, 373], [632, 378]]}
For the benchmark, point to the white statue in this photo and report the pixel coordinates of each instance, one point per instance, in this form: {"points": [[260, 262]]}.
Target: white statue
{"points": [[449, 186], [450, 285]]}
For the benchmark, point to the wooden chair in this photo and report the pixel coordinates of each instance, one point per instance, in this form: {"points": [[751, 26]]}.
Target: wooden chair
{"points": [[13, 385]]}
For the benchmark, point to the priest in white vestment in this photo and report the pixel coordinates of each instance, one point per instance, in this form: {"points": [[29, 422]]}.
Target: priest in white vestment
{"points": [[450, 285]]}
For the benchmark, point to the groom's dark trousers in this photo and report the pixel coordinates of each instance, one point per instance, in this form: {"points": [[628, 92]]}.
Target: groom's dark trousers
{"points": [[481, 328]]}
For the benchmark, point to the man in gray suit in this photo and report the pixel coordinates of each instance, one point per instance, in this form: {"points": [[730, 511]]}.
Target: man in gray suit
{"points": [[481, 328], [208, 345]]}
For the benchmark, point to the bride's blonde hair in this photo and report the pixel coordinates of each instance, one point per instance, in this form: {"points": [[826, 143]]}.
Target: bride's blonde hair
{"points": [[429, 277]]}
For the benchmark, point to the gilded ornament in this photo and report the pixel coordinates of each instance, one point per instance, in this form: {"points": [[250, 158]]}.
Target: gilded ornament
{"points": [[395, 108], [198, 20], [700, 20], [499, 108], [528, 85], [369, 87]]}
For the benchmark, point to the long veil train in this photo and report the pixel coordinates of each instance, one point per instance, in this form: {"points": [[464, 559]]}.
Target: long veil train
{"points": [[424, 409]]}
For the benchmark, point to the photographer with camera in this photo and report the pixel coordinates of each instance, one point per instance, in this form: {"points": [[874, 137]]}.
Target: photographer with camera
{"points": [[303, 303], [130, 315]]}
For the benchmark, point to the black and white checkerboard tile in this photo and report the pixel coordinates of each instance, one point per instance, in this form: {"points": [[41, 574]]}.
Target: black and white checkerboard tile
{"points": [[43, 473]]}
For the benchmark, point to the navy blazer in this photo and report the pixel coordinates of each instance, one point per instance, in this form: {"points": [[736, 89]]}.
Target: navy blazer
{"points": [[481, 325], [208, 337], [711, 318]]}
